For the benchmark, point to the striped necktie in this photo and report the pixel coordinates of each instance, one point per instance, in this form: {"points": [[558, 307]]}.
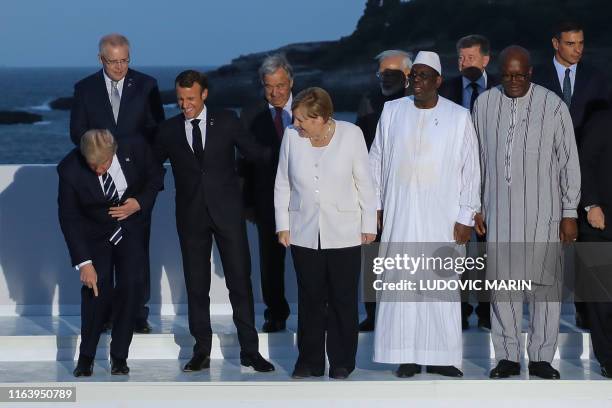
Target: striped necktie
{"points": [[112, 196]]}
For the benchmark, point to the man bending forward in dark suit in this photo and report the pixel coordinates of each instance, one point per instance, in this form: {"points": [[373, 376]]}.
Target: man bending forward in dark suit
{"points": [[201, 147], [104, 193]]}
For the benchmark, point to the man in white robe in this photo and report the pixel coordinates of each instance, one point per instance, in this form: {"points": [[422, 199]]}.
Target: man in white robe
{"points": [[426, 171]]}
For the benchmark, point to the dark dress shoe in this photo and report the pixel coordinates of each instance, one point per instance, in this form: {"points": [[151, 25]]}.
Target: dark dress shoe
{"points": [[504, 369], [484, 323], [447, 371], [84, 367], [582, 321], [256, 361], [301, 372], [142, 327], [338, 373], [197, 363], [543, 369], [606, 371], [119, 366], [367, 325], [407, 370], [108, 326], [272, 326]]}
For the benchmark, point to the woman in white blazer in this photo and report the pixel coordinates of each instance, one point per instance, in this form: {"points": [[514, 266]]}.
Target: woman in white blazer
{"points": [[325, 208]]}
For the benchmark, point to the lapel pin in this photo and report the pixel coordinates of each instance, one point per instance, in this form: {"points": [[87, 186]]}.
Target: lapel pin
{"points": [[436, 121], [127, 159], [212, 122]]}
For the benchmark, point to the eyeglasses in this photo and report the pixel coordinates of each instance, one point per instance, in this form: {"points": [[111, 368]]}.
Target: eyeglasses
{"points": [[423, 76], [514, 77], [116, 63]]}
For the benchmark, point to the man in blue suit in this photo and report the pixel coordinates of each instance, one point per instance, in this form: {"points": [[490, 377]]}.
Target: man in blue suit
{"points": [[106, 192], [128, 104]]}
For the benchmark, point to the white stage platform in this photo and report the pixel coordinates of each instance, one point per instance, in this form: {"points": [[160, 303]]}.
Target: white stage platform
{"points": [[39, 327], [40, 350]]}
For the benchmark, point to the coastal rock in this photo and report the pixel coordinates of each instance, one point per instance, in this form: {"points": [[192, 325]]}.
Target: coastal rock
{"points": [[18, 117], [63, 103]]}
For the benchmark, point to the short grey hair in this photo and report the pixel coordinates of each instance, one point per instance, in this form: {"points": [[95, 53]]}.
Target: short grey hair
{"points": [[406, 61], [98, 145], [272, 63], [114, 40]]}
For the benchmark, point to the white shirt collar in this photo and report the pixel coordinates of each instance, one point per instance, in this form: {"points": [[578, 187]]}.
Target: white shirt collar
{"points": [[201, 116], [561, 68], [109, 80]]}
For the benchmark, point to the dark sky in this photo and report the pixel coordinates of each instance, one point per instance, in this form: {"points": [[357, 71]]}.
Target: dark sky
{"points": [[44, 33]]}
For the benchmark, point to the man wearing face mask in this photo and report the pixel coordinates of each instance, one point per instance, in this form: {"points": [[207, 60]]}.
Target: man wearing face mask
{"points": [[473, 56], [393, 70]]}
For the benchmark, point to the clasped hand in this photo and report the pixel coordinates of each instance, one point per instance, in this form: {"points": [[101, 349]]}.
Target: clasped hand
{"points": [[129, 207]]}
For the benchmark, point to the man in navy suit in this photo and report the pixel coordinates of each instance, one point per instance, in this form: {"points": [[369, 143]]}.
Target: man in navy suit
{"points": [[266, 121], [127, 103], [583, 87], [473, 56], [105, 195], [201, 145]]}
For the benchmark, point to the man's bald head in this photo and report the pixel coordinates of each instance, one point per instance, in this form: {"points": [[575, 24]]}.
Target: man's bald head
{"points": [[515, 69], [515, 52]]}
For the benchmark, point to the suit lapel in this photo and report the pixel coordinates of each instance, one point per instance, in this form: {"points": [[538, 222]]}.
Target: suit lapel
{"points": [[183, 144], [270, 131], [210, 132], [127, 93], [125, 161], [101, 94], [580, 84], [556, 85], [92, 181]]}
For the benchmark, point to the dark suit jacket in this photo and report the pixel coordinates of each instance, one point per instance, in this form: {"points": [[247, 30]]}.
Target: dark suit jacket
{"points": [[216, 187], [596, 170], [591, 91], [139, 113], [259, 176], [452, 88], [83, 209]]}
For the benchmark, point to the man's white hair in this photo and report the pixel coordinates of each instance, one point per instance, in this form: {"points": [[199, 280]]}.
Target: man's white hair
{"points": [[406, 60]]}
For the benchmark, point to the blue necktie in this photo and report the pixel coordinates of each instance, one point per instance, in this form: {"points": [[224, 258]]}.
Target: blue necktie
{"points": [[112, 196], [567, 88]]}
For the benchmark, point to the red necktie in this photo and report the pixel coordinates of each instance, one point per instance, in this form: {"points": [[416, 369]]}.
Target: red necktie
{"points": [[278, 122]]}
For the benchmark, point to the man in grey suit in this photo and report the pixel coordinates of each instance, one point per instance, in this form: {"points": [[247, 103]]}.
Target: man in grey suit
{"points": [[531, 180]]}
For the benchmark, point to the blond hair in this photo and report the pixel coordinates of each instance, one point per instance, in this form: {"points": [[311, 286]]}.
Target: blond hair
{"points": [[98, 146], [315, 101]]}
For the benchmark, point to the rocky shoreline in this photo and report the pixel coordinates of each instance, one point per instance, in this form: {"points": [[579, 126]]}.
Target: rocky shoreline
{"points": [[19, 117]]}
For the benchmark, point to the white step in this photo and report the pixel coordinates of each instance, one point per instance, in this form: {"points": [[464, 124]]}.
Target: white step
{"points": [[53, 338]]}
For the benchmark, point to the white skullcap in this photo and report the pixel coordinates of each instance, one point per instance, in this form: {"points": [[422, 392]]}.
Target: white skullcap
{"points": [[431, 59]]}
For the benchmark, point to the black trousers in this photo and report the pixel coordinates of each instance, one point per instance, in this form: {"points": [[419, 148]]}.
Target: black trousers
{"points": [[271, 263], [599, 313], [142, 311], [328, 282], [122, 264], [196, 245]]}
